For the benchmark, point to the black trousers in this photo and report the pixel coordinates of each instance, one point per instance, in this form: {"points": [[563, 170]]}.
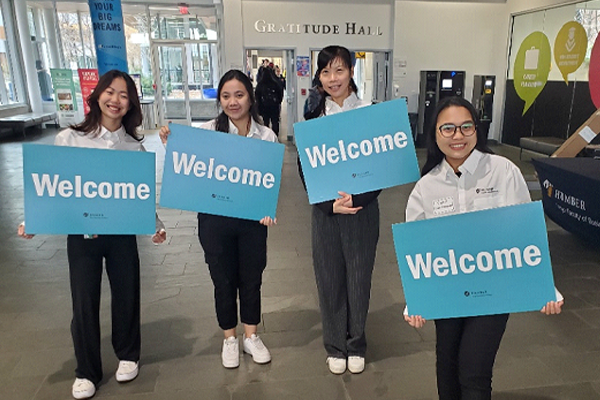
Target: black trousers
{"points": [[271, 118], [86, 258], [466, 350], [344, 248], [236, 253]]}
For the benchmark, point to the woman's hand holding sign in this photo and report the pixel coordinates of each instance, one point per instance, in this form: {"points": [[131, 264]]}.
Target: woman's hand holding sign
{"points": [[268, 221], [553, 307], [164, 133], [343, 205], [416, 321]]}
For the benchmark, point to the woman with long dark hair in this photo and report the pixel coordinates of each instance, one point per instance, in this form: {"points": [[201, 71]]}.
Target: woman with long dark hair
{"points": [[115, 113], [345, 232], [458, 162], [236, 249]]}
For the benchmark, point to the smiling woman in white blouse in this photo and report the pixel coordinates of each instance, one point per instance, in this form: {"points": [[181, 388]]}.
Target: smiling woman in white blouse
{"points": [[459, 162], [115, 113]]}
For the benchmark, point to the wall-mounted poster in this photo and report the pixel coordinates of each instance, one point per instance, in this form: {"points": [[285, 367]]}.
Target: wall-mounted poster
{"points": [[88, 79], [570, 47], [594, 73], [303, 66], [532, 66]]}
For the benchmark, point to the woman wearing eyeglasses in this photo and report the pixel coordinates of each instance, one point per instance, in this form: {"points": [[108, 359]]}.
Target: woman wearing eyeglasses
{"points": [[459, 162]]}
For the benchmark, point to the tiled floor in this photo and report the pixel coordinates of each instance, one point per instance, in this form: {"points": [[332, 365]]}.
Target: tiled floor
{"points": [[540, 357]]}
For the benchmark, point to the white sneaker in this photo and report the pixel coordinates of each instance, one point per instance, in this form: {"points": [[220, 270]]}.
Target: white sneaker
{"points": [[231, 352], [83, 388], [336, 365], [127, 371], [254, 346], [356, 364]]}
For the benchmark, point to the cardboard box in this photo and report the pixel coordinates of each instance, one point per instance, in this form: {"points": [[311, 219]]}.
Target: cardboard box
{"points": [[581, 138]]}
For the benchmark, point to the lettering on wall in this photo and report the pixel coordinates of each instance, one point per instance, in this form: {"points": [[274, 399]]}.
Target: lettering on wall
{"points": [[349, 28]]}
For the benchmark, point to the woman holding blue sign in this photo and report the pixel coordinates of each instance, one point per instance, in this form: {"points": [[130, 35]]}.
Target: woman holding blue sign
{"points": [[236, 249], [458, 165], [115, 113], [345, 232]]}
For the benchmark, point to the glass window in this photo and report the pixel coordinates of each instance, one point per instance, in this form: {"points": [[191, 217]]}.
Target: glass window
{"points": [[197, 24], [9, 91], [137, 39], [77, 39], [563, 103], [40, 50]]}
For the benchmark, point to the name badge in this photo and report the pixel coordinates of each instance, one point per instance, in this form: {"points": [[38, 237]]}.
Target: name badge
{"points": [[444, 205]]}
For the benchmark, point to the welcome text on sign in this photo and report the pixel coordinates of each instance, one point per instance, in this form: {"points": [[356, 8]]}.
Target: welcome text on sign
{"points": [[88, 189], [467, 263], [379, 144], [220, 172]]}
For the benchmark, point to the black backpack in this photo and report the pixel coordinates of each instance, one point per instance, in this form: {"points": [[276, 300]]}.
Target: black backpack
{"points": [[270, 97]]}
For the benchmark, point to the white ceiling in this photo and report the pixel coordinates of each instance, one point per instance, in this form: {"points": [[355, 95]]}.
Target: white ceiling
{"points": [[82, 5]]}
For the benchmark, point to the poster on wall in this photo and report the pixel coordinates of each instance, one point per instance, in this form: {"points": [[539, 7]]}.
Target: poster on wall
{"points": [[532, 67], [88, 79], [570, 47], [303, 66], [594, 73], [64, 95]]}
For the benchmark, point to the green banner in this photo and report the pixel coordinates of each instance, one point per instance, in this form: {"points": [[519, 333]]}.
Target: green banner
{"points": [[532, 66], [65, 96], [64, 89]]}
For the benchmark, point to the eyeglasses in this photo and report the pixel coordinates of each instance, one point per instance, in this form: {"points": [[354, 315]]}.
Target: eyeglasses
{"points": [[448, 130]]}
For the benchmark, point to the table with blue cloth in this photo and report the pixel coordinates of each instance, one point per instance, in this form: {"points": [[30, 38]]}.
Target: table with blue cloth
{"points": [[571, 193]]}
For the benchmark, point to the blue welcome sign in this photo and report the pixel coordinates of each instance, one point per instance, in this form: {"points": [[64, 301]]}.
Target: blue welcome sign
{"points": [[74, 190], [357, 151], [479, 263], [222, 174]]}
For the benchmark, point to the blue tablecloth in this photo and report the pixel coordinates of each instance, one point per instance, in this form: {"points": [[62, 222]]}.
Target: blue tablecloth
{"points": [[571, 193]]}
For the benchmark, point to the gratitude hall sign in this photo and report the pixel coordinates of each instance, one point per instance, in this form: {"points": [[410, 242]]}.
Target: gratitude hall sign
{"points": [[72, 190], [479, 263], [348, 28], [357, 151], [221, 174]]}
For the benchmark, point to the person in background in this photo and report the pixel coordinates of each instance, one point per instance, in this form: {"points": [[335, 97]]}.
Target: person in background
{"points": [[236, 249], [280, 76], [459, 162], [261, 69], [345, 232], [269, 95], [115, 113], [315, 94]]}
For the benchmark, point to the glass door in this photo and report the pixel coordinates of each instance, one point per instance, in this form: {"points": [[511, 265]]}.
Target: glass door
{"points": [[381, 74], [172, 88]]}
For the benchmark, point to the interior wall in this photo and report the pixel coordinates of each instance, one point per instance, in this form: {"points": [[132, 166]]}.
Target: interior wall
{"points": [[424, 35], [306, 26], [469, 37]]}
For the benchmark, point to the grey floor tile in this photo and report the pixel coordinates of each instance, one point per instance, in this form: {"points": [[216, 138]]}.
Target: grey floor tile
{"points": [[541, 358]]}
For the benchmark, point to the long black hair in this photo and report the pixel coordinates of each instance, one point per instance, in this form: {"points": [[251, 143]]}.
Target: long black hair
{"points": [[434, 154], [326, 57], [222, 121], [93, 120]]}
